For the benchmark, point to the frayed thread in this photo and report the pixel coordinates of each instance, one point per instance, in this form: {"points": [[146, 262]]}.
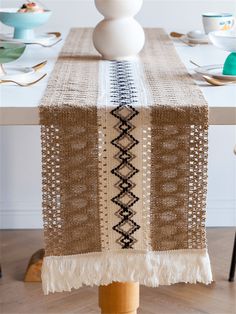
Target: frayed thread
{"points": [[62, 273]]}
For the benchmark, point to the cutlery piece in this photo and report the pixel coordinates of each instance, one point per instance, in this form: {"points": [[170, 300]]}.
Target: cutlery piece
{"points": [[176, 35], [194, 63], [39, 66], [188, 43], [57, 34], [217, 82], [181, 38], [45, 45], [23, 84]]}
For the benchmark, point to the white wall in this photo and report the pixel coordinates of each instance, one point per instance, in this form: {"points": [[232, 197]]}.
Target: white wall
{"points": [[20, 197], [172, 14]]}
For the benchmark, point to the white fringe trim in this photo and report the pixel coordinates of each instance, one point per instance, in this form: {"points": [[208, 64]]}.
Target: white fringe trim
{"points": [[62, 273]]}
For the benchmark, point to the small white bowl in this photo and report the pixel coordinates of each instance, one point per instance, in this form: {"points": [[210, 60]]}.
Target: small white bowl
{"points": [[225, 40]]}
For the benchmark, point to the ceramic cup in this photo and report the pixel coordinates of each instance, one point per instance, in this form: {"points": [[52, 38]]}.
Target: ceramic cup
{"points": [[213, 21]]}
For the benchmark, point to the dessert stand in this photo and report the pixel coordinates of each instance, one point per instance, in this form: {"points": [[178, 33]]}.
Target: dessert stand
{"points": [[23, 23]]}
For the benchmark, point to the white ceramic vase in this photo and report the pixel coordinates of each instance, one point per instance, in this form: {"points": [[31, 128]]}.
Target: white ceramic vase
{"points": [[119, 36]]}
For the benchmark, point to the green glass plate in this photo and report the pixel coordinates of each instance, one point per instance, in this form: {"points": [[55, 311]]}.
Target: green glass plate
{"points": [[10, 51]]}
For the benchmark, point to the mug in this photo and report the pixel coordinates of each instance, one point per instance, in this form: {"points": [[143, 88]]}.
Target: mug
{"points": [[217, 21]]}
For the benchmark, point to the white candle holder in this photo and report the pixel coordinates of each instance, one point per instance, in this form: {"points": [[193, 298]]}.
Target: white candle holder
{"points": [[118, 36]]}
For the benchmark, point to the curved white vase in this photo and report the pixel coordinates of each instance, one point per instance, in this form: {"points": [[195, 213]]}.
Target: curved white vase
{"points": [[119, 36]]}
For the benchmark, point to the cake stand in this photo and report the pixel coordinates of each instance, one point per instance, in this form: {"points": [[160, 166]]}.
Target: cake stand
{"points": [[23, 23]]}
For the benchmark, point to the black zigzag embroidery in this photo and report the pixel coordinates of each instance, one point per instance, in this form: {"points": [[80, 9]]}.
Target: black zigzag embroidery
{"points": [[123, 95]]}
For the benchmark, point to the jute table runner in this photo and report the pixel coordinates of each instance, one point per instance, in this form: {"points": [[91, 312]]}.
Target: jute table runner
{"points": [[124, 154]]}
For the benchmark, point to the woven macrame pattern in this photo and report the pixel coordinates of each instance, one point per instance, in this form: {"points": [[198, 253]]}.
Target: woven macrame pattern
{"points": [[178, 176], [70, 181], [69, 133], [179, 140]]}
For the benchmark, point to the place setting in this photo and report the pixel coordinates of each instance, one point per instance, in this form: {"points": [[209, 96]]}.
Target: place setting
{"points": [[219, 30], [212, 21], [17, 75], [24, 20], [220, 74]]}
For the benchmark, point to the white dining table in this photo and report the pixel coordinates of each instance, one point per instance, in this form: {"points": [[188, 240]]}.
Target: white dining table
{"points": [[19, 105]]}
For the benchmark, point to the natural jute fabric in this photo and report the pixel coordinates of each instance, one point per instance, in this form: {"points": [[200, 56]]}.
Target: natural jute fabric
{"points": [[124, 155]]}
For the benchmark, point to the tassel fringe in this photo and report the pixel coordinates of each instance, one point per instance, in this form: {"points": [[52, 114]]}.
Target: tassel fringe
{"points": [[62, 273]]}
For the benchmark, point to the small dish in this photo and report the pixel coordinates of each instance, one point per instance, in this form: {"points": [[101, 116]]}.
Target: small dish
{"points": [[199, 41], [197, 34], [23, 23], [216, 71], [196, 37], [225, 40]]}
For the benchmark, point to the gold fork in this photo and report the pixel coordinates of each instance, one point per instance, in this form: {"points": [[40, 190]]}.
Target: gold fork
{"points": [[57, 35], [45, 46], [217, 82], [23, 84], [39, 66]]}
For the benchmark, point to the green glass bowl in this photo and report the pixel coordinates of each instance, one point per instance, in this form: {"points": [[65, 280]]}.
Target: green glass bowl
{"points": [[9, 52]]}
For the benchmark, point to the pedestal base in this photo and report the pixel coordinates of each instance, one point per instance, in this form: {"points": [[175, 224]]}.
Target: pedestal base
{"points": [[24, 34], [230, 65]]}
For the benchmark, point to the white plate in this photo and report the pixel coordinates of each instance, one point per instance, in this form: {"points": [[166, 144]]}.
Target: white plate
{"points": [[215, 70], [16, 73], [43, 38]]}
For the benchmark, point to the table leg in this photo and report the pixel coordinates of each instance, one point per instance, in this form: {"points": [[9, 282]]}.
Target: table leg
{"points": [[233, 261], [33, 272], [119, 298]]}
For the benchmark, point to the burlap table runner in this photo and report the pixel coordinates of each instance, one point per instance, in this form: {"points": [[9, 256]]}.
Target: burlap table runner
{"points": [[124, 154]]}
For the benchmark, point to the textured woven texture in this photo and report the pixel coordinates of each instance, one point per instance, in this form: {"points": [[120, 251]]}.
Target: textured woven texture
{"points": [[124, 153]]}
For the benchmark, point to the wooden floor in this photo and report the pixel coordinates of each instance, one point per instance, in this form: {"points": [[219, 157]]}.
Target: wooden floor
{"points": [[17, 297]]}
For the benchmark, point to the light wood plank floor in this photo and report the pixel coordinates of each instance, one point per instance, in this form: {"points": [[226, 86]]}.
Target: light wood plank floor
{"points": [[17, 297]]}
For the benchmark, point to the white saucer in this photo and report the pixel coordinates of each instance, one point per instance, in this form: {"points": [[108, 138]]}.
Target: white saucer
{"points": [[196, 41], [16, 73], [215, 70], [42, 38]]}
